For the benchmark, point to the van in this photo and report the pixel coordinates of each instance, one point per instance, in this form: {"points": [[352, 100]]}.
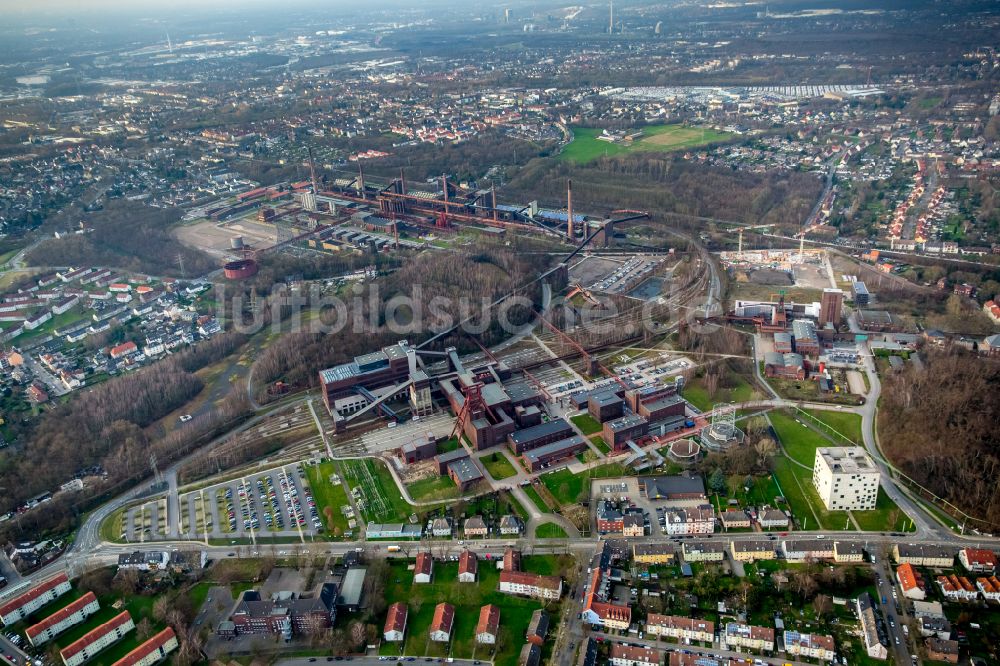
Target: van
{"points": [[392, 424]]}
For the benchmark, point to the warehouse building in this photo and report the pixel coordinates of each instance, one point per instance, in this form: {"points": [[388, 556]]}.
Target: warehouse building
{"points": [[543, 456], [618, 432], [539, 435]]}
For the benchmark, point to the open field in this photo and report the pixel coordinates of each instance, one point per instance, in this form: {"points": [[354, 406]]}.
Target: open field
{"points": [[657, 138], [468, 598], [886, 517], [587, 424], [567, 487], [329, 495], [796, 484], [550, 531], [433, 488], [536, 498], [695, 392], [381, 500], [847, 424], [798, 439], [498, 466]]}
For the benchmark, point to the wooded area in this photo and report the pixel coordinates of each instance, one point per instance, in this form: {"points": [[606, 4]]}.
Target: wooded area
{"points": [[129, 236], [113, 425], [937, 423], [671, 185]]}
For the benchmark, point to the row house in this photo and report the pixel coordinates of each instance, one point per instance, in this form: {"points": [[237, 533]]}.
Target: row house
{"points": [[809, 645], [634, 655], [27, 603], [152, 651], [911, 582], [748, 636], [923, 555], [681, 629], [87, 646], [653, 553], [812, 549], [531, 585], [957, 588], [697, 520], [978, 560], [63, 619], [989, 588], [704, 551], [751, 551]]}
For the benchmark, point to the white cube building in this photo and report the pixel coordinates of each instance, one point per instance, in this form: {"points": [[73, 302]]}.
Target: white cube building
{"points": [[846, 478]]}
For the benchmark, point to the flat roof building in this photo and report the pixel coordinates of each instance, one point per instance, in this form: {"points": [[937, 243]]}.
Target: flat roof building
{"points": [[846, 478]]}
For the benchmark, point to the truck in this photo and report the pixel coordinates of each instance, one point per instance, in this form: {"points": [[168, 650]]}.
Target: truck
{"points": [[392, 549]]}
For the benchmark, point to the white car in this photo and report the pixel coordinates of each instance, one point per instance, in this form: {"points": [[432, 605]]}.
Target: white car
{"points": [[185, 418]]}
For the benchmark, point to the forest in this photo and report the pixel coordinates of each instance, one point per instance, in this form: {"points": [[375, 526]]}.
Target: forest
{"points": [[482, 271], [937, 423], [670, 185], [114, 426], [128, 236]]}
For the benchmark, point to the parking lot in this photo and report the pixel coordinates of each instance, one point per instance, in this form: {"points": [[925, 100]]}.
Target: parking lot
{"points": [[276, 502]]}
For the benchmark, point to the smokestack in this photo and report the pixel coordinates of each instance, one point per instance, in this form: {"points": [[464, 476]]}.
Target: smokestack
{"points": [[444, 186], [402, 182], [361, 180], [569, 208], [611, 17], [493, 191]]}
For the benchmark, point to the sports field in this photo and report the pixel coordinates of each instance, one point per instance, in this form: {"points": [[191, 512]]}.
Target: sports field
{"points": [[662, 138]]}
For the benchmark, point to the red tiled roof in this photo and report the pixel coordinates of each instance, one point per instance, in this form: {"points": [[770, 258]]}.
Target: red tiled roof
{"points": [[33, 594], [536, 580], [980, 556], [489, 620], [146, 649], [444, 615], [424, 564], [467, 562], [61, 614], [396, 619], [908, 577], [95, 635]]}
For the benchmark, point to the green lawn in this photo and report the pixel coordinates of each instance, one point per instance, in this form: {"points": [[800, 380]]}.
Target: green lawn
{"points": [[498, 466], [536, 498], [567, 487], [433, 488], [847, 424], [695, 392], [447, 445], [586, 147], [587, 424], [550, 531], [327, 494], [799, 440], [886, 517], [601, 445], [382, 502], [468, 599], [796, 485]]}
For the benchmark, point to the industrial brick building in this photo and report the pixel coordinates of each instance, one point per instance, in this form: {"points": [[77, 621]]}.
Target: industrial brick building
{"points": [[543, 456], [618, 432], [285, 613]]}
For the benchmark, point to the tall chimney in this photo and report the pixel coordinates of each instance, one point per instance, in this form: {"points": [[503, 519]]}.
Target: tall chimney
{"points": [[361, 180], [569, 209], [493, 192]]}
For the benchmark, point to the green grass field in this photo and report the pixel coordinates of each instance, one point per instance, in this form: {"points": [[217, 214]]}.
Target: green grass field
{"points": [[498, 466], [550, 531], [396, 509], [327, 494], [566, 487], [433, 488], [655, 138], [799, 441], [847, 424], [886, 517], [587, 424], [468, 599], [601, 445], [536, 498], [696, 393]]}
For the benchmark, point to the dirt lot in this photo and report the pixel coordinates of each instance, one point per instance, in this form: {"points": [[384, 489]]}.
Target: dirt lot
{"points": [[215, 237]]}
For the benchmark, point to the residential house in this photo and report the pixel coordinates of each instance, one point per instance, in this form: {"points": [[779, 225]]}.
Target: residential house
{"points": [[911, 582], [531, 655], [748, 636], [751, 551], [489, 625], [809, 645], [734, 519], [444, 618], [538, 627], [872, 627], [989, 587], [704, 551], [634, 655], [511, 525], [531, 585], [395, 623], [681, 629], [632, 525], [695, 520], [475, 527], [807, 549], [848, 551], [652, 553], [423, 569], [468, 565], [923, 555], [978, 560], [941, 650], [957, 588], [441, 527], [770, 519]]}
